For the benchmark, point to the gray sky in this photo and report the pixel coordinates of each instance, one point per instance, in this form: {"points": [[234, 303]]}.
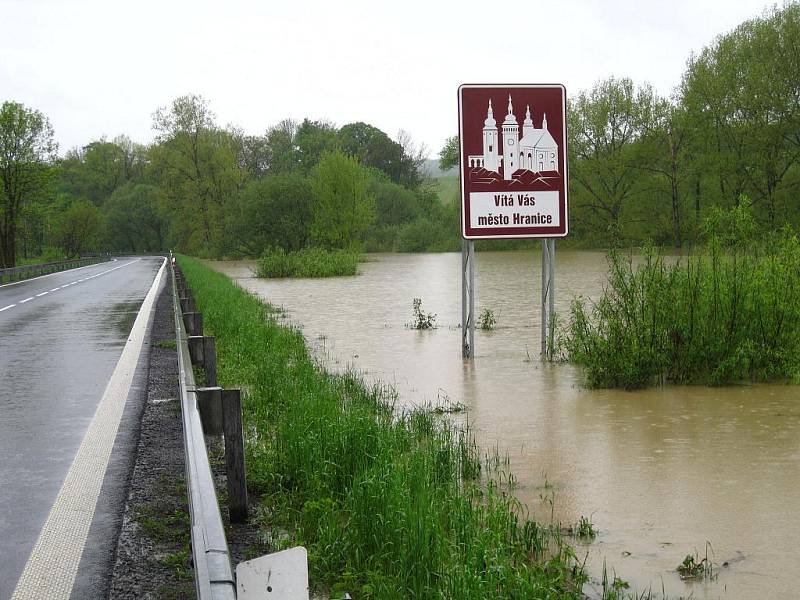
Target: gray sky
{"points": [[102, 67]]}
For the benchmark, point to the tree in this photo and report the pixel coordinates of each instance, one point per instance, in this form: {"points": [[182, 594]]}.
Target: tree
{"points": [[27, 150], [373, 148], [664, 135], [449, 154], [311, 140], [80, 228], [281, 151], [342, 208], [133, 219], [605, 128], [276, 211], [199, 168], [741, 95]]}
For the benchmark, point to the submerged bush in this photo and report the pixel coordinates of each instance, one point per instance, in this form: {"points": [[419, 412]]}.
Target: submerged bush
{"points": [[422, 320], [725, 315], [308, 262], [389, 505]]}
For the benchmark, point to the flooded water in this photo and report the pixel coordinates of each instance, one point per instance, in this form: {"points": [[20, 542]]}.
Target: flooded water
{"points": [[659, 472]]}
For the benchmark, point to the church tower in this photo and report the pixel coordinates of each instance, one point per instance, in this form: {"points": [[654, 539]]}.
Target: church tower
{"points": [[490, 153], [510, 142], [527, 125]]}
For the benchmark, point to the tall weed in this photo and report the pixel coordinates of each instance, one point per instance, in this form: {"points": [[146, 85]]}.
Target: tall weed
{"points": [[729, 313]]}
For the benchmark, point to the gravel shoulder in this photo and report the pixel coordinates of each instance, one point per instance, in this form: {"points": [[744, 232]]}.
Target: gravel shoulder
{"points": [[153, 550]]}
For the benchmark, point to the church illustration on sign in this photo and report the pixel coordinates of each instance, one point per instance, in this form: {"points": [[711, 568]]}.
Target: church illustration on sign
{"points": [[535, 150]]}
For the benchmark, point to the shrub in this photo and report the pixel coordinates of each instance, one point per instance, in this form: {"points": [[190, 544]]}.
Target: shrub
{"points": [[309, 262], [718, 317]]}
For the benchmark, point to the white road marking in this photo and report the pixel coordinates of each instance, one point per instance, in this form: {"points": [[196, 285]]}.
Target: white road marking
{"points": [[67, 284], [51, 274], [53, 564]]}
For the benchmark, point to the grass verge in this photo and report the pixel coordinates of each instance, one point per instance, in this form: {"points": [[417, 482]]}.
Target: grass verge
{"points": [[390, 505], [308, 262]]}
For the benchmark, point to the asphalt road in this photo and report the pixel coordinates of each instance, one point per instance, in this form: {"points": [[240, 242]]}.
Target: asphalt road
{"points": [[61, 337]]}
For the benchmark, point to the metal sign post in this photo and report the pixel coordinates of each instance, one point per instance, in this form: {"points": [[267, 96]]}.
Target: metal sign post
{"points": [[513, 172], [467, 298], [548, 297]]}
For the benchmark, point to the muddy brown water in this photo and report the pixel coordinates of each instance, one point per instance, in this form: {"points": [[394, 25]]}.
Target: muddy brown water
{"points": [[659, 472]]}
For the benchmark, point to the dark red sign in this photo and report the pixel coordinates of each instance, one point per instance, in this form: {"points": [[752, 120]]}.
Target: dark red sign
{"points": [[513, 161]]}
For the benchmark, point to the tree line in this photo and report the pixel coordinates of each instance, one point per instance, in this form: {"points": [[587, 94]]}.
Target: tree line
{"points": [[642, 166], [214, 191]]}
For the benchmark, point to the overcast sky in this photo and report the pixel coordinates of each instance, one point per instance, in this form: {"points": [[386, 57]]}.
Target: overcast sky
{"points": [[102, 67]]}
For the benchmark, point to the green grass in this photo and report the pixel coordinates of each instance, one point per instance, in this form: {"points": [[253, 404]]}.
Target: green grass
{"points": [[308, 262], [724, 315], [389, 504]]}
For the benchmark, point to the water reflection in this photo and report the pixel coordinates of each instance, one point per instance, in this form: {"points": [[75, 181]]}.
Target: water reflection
{"points": [[659, 471]]}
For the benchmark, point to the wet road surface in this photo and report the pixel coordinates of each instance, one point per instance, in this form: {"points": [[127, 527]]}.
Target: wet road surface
{"points": [[60, 339]]}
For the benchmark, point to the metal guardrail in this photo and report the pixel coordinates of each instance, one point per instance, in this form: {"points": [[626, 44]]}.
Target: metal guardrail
{"points": [[214, 576], [215, 411], [26, 271]]}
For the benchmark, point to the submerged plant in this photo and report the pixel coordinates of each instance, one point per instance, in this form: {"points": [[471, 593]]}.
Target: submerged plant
{"points": [[693, 567], [583, 529], [487, 321], [422, 320]]}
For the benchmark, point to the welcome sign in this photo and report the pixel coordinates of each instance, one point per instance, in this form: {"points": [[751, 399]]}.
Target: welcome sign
{"points": [[513, 161]]}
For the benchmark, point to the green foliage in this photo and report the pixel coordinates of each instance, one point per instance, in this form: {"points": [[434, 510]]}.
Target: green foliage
{"points": [[486, 320], [197, 164], [449, 154], [27, 149], [605, 126], [583, 529], [342, 207], [275, 211], [695, 568], [422, 320], [312, 140], [722, 316], [307, 262], [387, 504], [133, 219], [373, 148], [741, 100], [80, 229]]}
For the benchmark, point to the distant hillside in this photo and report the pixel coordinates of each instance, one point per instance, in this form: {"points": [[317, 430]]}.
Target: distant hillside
{"points": [[431, 168]]}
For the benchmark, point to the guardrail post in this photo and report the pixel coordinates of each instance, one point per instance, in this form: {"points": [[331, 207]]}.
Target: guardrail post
{"points": [[193, 322], [196, 347], [234, 454], [210, 359], [209, 403], [187, 304]]}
